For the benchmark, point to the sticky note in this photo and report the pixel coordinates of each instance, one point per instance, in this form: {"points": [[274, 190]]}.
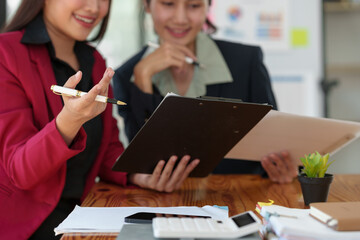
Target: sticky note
{"points": [[299, 37], [259, 205]]}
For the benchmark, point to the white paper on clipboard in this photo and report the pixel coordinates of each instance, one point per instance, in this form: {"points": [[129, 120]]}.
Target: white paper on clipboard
{"points": [[299, 135]]}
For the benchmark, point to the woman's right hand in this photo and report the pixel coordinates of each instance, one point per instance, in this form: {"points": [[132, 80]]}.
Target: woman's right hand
{"points": [[164, 178], [77, 111], [280, 167], [166, 56]]}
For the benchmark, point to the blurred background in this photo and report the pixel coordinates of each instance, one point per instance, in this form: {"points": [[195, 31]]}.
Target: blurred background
{"points": [[311, 49]]}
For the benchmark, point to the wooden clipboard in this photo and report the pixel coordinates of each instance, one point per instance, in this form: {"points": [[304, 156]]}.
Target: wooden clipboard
{"points": [[203, 128], [299, 135]]}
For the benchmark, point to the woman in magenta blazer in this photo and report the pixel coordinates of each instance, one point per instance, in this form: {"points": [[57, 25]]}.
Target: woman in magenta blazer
{"points": [[51, 147]]}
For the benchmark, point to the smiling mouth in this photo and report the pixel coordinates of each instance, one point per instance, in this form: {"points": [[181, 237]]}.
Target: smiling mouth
{"points": [[179, 32], [85, 19]]}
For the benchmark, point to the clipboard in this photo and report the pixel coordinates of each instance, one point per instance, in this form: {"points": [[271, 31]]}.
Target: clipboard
{"points": [[203, 128], [299, 135]]}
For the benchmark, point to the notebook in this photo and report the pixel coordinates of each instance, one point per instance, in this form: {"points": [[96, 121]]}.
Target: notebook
{"points": [[297, 224], [341, 216]]}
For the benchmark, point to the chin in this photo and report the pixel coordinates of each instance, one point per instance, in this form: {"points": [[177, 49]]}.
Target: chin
{"points": [[182, 41], [82, 37], [179, 41]]}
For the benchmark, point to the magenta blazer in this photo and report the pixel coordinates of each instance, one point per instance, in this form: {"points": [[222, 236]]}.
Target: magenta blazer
{"points": [[33, 154]]}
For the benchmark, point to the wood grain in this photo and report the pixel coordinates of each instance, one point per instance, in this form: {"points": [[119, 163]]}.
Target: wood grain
{"points": [[239, 192]]}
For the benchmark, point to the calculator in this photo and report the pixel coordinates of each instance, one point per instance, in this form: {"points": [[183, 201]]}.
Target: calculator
{"points": [[185, 227]]}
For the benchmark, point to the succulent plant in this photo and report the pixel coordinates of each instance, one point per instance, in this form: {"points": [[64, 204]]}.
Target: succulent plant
{"points": [[315, 165]]}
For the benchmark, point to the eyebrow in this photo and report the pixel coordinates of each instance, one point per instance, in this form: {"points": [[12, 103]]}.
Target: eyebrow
{"points": [[195, 1]]}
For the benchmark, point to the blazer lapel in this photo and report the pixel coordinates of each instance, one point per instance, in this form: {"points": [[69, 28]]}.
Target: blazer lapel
{"points": [[40, 57]]}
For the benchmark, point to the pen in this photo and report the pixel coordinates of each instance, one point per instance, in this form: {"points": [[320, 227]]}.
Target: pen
{"points": [[187, 59], [76, 93], [275, 214]]}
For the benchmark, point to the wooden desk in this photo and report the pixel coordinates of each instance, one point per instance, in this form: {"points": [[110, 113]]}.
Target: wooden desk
{"points": [[238, 192]]}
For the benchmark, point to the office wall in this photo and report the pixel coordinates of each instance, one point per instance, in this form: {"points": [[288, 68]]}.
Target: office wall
{"points": [[290, 34], [122, 37], [343, 64]]}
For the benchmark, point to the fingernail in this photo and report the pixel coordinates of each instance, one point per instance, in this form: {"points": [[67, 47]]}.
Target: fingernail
{"points": [[110, 74], [77, 75]]}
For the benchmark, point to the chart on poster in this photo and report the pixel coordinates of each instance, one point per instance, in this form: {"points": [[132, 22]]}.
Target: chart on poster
{"points": [[290, 33]]}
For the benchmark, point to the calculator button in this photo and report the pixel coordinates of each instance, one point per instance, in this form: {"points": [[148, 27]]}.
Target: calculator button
{"points": [[202, 225], [161, 223], [175, 224], [188, 224]]}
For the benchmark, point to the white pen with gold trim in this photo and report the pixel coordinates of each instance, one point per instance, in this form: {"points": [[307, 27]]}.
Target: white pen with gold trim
{"points": [[76, 93]]}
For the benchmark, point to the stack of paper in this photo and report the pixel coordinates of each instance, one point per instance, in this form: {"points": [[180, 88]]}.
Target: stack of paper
{"points": [[111, 219], [293, 224]]}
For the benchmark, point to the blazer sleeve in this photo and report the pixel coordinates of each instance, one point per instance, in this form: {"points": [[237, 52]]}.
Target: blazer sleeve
{"points": [[139, 106], [260, 84], [30, 152]]}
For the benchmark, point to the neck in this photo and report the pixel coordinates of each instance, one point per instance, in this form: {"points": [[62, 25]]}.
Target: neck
{"points": [[192, 46], [63, 46], [183, 77]]}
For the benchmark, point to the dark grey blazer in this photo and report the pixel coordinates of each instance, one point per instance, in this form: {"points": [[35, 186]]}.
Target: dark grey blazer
{"points": [[251, 83]]}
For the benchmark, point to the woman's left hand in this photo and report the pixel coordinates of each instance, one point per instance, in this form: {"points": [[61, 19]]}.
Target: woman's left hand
{"points": [[164, 177], [280, 167]]}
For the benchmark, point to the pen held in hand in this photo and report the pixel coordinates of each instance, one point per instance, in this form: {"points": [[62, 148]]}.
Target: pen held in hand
{"points": [[189, 60], [76, 93]]}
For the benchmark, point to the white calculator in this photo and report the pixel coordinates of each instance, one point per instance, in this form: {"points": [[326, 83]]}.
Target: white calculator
{"points": [[184, 227]]}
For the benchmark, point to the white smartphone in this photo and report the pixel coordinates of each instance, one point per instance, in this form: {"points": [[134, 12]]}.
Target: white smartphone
{"points": [[237, 226]]}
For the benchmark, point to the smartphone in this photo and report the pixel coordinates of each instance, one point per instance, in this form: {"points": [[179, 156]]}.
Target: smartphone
{"points": [[147, 217]]}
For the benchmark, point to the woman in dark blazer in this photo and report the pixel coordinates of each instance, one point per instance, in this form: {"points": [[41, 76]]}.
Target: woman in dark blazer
{"points": [[229, 70]]}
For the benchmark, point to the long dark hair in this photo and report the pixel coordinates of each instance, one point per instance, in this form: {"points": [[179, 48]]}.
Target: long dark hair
{"points": [[209, 26], [29, 9]]}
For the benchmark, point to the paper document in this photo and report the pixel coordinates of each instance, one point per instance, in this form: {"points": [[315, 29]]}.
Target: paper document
{"points": [[299, 135], [111, 219], [303, 226]]}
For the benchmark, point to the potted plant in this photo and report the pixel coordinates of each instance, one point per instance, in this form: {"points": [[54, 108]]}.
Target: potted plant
{"points": [[314, 180]]}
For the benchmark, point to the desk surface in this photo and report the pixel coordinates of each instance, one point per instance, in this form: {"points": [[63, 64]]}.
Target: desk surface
{"points": [[238, 192]]}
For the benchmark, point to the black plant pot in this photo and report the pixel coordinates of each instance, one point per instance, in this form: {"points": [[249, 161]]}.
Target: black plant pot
{"points": [[315, 189]]}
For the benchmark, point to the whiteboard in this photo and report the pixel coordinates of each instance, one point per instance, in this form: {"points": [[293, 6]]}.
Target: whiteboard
{"points": [[290, 33]]}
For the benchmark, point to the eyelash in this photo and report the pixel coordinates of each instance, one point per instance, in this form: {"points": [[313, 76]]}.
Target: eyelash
{"points": [[168, 4], [195, 5]]}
